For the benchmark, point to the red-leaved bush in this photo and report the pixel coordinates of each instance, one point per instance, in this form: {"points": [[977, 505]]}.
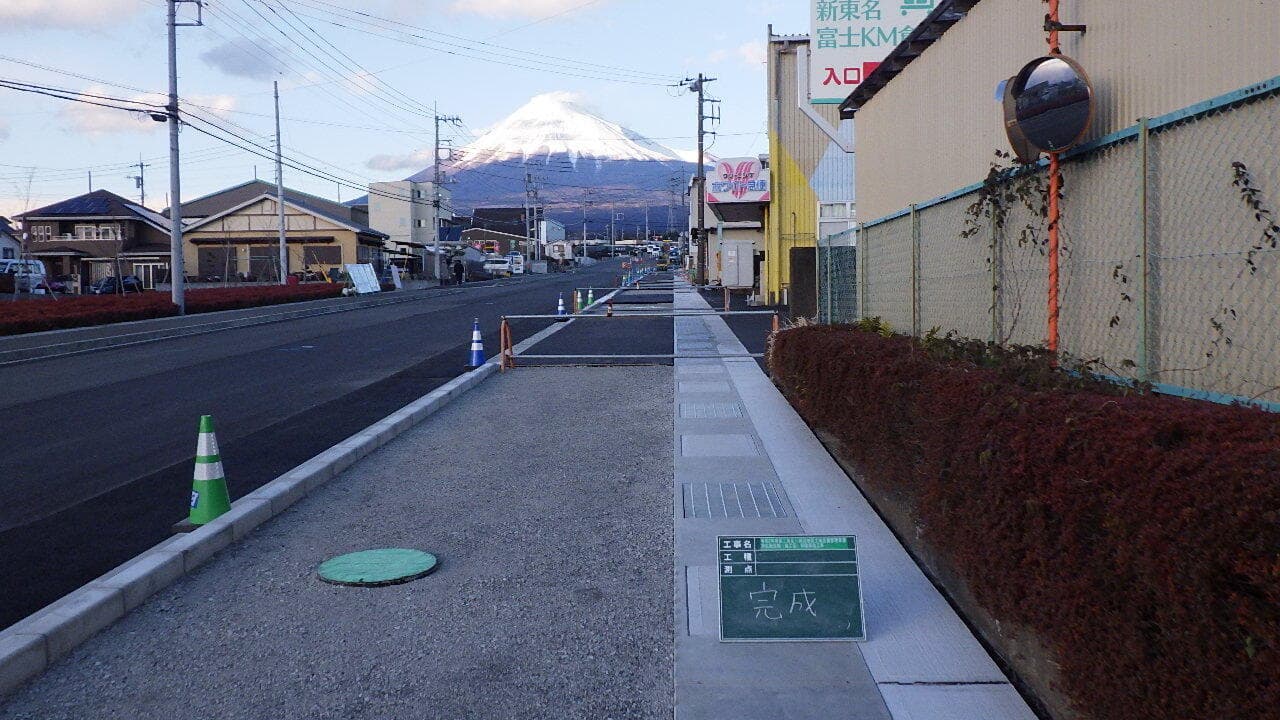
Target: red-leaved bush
{"points": [[33, 315], [1137, 536]]}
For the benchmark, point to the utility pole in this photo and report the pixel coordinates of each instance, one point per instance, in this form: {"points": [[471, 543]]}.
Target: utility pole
{"points": [[699, 86], [613, 219], [586, 203], [437, 179], [284, 248], [90, 181], [139, 181], [531, 215], [177, 275]]}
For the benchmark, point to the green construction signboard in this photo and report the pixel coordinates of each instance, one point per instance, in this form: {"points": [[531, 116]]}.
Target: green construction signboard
{"points": [[791, 587]]}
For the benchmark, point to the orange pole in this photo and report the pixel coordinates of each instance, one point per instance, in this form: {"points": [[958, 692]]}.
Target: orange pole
{"points": [[1055, 214], [775, 322], [1055, 211], [1054, 48], [610, 312]]}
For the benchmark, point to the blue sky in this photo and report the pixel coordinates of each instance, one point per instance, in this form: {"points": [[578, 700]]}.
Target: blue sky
{"points": [[463, 59]]}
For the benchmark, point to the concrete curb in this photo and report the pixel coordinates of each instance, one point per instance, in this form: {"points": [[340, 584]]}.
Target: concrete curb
{"points": [[34, 643]]}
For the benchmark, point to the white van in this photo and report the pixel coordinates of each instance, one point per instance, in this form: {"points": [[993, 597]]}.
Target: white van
{"points": [[498, 266], [29, 275]]}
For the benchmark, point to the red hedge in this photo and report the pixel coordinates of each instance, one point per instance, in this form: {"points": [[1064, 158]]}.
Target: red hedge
{"points": [[1137, 536], [32, 315]]}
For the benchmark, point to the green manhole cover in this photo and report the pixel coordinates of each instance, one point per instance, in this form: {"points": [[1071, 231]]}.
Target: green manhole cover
{"points": [[370, 568]]}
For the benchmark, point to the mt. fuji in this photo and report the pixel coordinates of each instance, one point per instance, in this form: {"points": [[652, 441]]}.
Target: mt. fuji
{"points": [[573, 156]]}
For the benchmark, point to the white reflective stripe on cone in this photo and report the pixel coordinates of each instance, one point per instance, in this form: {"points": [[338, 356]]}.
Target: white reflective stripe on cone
{"points": [[207, 444], [208, 471]]}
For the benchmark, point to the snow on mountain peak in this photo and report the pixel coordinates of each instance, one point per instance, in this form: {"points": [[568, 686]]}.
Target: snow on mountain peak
{"points": [[555, 124]]}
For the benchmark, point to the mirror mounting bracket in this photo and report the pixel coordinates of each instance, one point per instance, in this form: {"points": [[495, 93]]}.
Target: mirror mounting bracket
{"points": [[1051, 25]]}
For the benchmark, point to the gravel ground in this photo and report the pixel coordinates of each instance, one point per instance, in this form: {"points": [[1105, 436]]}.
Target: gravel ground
{"points": [[553, 598]]}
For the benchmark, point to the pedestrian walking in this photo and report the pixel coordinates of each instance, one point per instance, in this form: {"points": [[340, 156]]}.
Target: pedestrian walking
{"points": [[459, 270]]}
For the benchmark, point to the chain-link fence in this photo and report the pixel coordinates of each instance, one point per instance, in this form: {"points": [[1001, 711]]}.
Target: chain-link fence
{"points": [[1168, 270], [837, 278]]}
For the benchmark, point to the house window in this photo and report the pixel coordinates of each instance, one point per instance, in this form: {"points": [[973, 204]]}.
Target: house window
{"points": [[40, 233], [8, 253], [86, 232], [108, 232]]}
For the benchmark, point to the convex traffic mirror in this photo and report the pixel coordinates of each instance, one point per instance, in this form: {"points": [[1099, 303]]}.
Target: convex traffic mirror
{"points": [[1048, 106]]}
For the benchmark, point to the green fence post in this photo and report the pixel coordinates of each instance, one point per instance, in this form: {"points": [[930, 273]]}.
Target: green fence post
{"points": [[915, 272], [997, 317], [1144, 268]]}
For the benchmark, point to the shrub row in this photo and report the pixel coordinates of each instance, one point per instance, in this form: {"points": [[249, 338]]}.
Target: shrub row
{"points": [[1137, 536], [36, 315]]}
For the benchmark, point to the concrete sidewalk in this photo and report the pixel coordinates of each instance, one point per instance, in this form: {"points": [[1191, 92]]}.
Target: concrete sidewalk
{"points": [[546, 494], [735, 436]]}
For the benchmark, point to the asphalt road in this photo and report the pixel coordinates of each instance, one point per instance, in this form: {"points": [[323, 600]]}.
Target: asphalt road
{"points": [[95, 465]]}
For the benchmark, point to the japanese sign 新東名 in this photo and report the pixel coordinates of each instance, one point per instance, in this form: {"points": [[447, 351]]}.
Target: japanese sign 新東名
{"points": [[789, 588], [849, 38]]}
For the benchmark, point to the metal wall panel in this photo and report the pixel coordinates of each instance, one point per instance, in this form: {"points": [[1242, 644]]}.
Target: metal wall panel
{"points": [[934, 128]]}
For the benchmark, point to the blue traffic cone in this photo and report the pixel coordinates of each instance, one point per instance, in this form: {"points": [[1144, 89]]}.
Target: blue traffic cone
{"points": [[561, 315], [477, 346]]}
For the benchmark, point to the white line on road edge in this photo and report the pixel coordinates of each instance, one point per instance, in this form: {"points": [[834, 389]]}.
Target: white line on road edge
{"points": [[34, 643]]}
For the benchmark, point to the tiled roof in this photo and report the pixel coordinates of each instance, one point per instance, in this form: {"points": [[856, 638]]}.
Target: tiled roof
{"points": [[99, 203]]}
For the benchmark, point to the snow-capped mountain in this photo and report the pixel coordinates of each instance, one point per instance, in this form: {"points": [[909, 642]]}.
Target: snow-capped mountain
{"points": [[553, 126], [574, 157]]}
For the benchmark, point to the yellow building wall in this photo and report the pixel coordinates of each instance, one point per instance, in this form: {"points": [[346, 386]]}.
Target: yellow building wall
{"points": [[806, 165]]}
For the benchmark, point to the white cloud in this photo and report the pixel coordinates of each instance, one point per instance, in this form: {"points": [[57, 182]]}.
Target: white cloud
{"points": [[89, 119], [507, 9], [753, 52], [416, 160], [65, 13], [240, 60]]}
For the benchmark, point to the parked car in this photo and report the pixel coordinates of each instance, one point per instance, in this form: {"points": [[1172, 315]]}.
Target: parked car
{"points": [[28, 275], [111, 285], [498, 266]]}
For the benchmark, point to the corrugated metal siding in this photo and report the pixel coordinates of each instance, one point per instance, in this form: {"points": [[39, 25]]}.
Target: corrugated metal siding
{"points": [[806, 166], [934, 128]]}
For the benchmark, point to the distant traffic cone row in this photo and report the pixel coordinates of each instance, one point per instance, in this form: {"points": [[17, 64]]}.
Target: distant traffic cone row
{"points": [[209, 497], [477, 346]]}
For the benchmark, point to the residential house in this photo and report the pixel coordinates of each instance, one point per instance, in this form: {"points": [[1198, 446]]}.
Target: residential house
{"points": [[406, 212], [10, 245], [235, 234], [99, 234]]}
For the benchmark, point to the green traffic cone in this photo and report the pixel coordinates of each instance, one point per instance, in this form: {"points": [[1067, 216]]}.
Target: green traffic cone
{"points": [[209, 497]]}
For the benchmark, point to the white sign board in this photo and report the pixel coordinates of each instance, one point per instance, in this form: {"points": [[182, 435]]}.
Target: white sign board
{"points": [[738, 180], [849, 38], [363, 278]]}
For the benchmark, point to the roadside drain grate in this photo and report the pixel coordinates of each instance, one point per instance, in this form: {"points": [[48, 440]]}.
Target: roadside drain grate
{"points": [[701, 410], [711, 501]]}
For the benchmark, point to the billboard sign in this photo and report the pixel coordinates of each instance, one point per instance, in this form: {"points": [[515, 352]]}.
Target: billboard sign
{"points": [[849, 38], [738, 180]]}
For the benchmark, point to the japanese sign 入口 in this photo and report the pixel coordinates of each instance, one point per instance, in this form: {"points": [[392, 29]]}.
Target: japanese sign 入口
{"points": [[798, 587], [849, 38]]}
